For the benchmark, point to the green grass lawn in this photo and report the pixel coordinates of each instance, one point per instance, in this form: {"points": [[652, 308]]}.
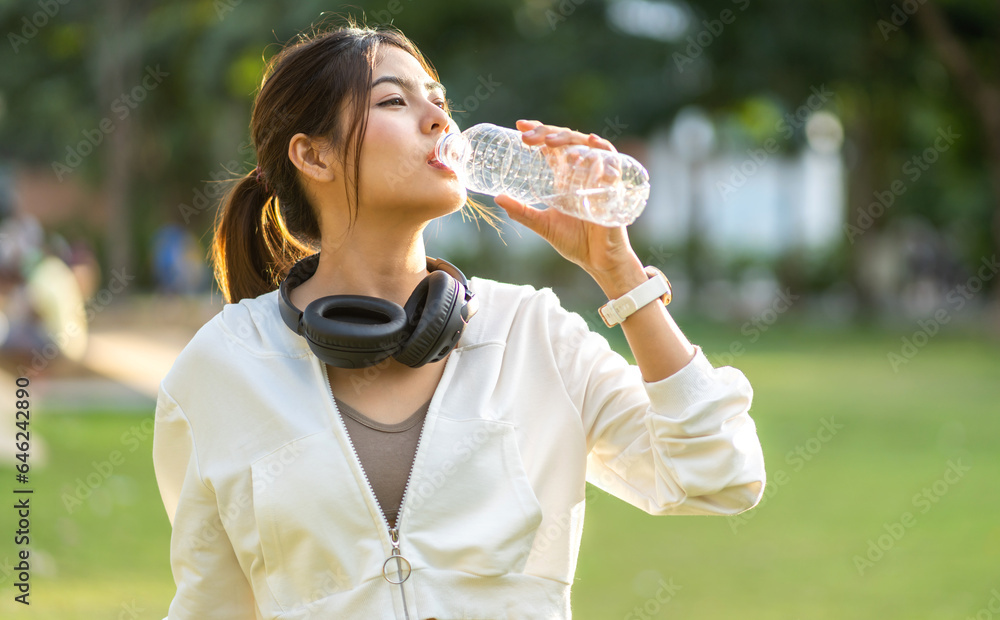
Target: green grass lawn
{"points": [[791, 557]]}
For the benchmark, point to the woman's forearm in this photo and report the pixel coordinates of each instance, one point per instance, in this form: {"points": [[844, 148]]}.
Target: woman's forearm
{"points": [[659, 346]]}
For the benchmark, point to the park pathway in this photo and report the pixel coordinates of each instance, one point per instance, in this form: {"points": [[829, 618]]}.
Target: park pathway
{"points": [[132, 344]]}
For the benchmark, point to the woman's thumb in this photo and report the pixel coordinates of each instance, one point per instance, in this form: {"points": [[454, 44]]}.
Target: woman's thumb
{"points": [[519, 212]]}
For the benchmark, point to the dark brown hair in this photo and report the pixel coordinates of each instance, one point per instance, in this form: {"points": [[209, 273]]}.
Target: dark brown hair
{"points": [[266, 223]]}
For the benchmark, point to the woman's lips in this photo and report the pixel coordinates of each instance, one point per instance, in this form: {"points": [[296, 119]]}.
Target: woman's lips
{"points": [[433, 161], [439, 165]]}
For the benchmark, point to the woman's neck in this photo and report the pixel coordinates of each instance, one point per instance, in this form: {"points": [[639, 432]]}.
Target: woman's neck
{"points": [[386, 264]]}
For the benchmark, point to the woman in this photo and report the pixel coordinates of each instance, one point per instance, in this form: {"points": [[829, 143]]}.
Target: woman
{"points": [[449, 484]]}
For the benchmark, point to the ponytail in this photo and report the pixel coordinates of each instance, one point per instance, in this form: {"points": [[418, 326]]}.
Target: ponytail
{"points": [[252, 248]]}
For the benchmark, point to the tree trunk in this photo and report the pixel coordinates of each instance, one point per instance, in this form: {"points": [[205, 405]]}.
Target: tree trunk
{"points": [[860, 189], [117, 75]]}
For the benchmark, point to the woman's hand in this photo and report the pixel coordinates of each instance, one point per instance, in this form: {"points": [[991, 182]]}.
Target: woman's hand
{"points": [[601, 251], [658, 345]]}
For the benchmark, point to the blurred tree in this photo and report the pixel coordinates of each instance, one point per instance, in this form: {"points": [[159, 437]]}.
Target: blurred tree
{"points": [[868, 63], [981, 90], [568, 62]]}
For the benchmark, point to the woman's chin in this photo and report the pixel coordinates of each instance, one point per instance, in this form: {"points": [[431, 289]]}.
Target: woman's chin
{"points": [[440, 204], [454, 199]]}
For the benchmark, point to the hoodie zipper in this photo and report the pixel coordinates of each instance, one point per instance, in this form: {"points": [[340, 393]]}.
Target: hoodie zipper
{"points": [[401, 562]]}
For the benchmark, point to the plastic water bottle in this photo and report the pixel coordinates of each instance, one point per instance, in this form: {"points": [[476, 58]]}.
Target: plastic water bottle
{"points": [[607, 188]]}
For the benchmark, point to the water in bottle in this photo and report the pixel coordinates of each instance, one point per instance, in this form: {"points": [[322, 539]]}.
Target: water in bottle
{"points": [[596, 185]]}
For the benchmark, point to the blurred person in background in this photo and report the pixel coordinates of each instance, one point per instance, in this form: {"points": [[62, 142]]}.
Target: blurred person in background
{"points": [[177, 261], [42, 313], [21, 248]]}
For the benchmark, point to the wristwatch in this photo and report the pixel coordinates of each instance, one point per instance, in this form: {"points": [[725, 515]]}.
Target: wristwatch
{"points": [[656, 287]]}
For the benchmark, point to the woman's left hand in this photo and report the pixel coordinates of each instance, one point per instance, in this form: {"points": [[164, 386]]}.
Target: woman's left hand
{"points": [[597, 249]]}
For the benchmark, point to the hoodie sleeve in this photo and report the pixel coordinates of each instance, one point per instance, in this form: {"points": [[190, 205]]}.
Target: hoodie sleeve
{"points": [[209, 580], [683, 445]]}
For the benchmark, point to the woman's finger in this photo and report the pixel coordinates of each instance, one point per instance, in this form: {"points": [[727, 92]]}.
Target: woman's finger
{"points": [[526, 124], [597, 141], [554, 136], [564, 136], [534, 132]]}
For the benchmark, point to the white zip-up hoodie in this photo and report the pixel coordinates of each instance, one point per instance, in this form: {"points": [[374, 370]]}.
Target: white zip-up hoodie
{"points": [[273, 517]]}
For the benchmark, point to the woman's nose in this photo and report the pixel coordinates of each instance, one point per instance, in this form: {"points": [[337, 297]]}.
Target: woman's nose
{"points": [[436, 120]]}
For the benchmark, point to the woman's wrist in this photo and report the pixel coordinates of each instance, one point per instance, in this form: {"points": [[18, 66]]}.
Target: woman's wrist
{"points": [[621, 278]]}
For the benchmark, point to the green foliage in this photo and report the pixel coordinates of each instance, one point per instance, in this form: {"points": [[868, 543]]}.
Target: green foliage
{"points": [[560, 61]]}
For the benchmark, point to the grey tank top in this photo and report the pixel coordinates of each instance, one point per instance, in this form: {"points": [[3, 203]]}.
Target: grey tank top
{"points": [[386, 452]]}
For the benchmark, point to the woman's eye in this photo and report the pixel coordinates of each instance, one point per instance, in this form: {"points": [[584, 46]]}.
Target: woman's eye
{"points": [[441, 103]]}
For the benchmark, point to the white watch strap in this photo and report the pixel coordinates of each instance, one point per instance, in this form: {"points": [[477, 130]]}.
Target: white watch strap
{"points": [[617, 310]]}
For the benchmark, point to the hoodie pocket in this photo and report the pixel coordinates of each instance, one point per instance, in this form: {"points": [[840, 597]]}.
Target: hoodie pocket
{"points": [[317, 533], [470, 505]]}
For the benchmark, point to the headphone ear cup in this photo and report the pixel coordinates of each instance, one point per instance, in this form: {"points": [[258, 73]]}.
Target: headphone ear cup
{"points": [[354, 331], [432, 310]]}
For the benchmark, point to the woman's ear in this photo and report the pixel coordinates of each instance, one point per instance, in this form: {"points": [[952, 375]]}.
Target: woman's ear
{"points": [[315, 158]]}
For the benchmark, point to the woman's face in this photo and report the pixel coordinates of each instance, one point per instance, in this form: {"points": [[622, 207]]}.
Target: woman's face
{"points": [[405, 120]]}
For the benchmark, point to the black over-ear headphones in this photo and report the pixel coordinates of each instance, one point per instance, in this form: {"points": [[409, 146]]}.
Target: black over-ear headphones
{"points": [[355, 331]]}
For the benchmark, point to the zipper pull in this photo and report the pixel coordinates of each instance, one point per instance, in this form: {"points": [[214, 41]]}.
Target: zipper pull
{"points": [[402, 572]]}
